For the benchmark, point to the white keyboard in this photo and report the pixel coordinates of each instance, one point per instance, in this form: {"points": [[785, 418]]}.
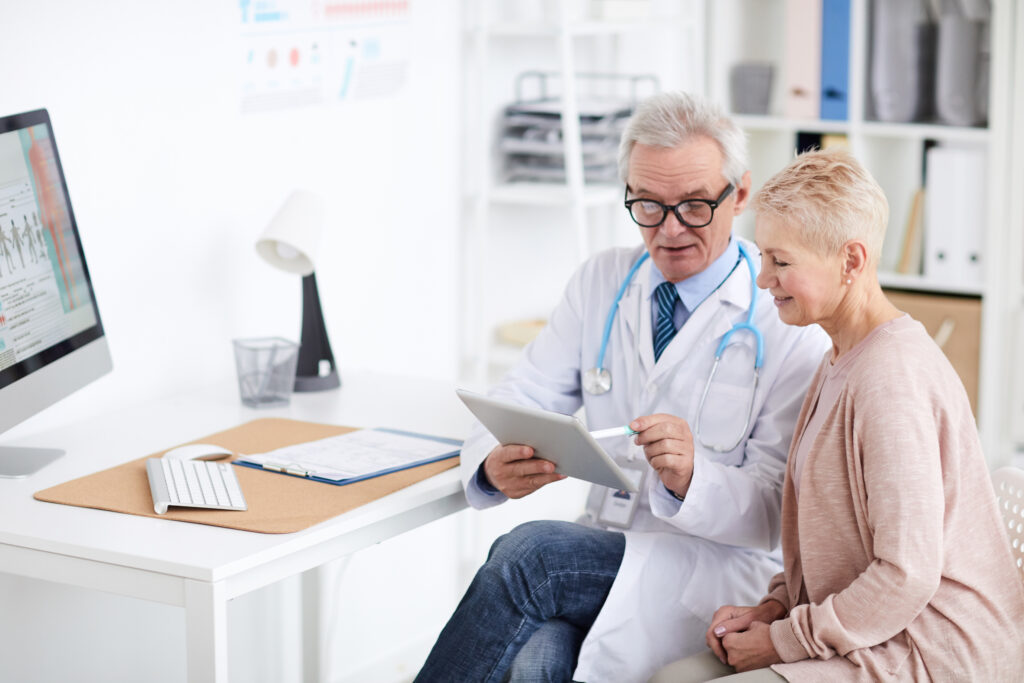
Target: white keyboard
{"points": [[193, 483]]}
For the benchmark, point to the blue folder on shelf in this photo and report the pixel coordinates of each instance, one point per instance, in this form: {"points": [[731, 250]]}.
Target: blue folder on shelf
{"points": [[835, 59], [354, 456]]}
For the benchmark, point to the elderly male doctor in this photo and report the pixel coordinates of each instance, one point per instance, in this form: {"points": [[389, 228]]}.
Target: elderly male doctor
{"points": [[634, 585]]}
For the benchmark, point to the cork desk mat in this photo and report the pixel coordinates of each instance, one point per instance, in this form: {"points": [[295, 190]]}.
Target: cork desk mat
{"points": [[278, 504]]}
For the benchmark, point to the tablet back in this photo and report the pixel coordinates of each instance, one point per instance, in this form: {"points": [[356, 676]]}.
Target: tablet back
{"points": [[562, 439]]}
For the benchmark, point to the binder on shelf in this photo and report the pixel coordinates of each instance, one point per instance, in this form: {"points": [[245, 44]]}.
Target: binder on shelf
{"points": [[913, 237], [803, 59], [954, 214], [902, 77], [835, 59]]}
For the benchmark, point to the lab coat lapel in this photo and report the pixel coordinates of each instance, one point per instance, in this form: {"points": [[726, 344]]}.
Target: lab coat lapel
{"points": [[635, 311]]}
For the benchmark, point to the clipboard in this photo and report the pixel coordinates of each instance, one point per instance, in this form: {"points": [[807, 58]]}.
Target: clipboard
{"points": [[318, 472]]}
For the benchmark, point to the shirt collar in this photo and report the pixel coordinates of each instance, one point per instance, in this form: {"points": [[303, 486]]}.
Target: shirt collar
{"points": [[694, 289]]}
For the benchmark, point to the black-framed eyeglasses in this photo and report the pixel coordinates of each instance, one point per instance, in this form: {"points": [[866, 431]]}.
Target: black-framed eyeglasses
{"points": [[693, 213]]}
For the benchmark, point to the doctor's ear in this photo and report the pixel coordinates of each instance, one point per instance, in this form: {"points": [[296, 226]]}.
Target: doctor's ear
{"points": [[742, 194], [855, 260]]}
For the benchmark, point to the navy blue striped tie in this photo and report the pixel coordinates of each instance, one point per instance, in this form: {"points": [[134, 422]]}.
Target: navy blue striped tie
{"points": [[666, 296]]}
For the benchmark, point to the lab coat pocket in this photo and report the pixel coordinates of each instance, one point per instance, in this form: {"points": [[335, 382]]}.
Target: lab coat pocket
{"points": [[725, 575]]}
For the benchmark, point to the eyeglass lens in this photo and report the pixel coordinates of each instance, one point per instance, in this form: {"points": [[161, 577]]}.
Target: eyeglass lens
{"points": [[650, 213]]}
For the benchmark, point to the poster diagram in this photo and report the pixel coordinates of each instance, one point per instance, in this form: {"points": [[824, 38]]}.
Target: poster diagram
{"points": [[316, 52]]}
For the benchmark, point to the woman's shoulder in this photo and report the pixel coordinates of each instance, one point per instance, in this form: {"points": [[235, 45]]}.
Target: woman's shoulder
{"points": [[899, 357]]}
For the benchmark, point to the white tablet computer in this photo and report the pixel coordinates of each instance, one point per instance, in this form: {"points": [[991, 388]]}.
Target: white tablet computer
{"points": [[562, 439]]}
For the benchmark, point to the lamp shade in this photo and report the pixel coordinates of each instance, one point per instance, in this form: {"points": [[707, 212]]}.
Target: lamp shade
{"points": [[292, 238]]}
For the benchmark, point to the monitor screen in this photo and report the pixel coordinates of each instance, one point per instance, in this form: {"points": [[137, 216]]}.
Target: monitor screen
{"points": [[47, 308]]}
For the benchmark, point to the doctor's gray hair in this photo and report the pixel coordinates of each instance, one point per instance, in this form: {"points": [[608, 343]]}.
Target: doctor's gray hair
{"points": [[674, 118], [830, 198]]}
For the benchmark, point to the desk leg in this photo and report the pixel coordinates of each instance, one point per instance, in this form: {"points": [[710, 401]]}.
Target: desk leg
{"points": [[206, 632], [319, 615], [311, 619]]}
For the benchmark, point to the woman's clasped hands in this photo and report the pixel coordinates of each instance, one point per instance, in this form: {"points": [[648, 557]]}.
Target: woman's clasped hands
{"points": [[741, 638]]}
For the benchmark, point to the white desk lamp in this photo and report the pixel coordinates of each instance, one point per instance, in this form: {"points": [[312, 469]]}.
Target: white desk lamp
{"points": [[290, 242]]}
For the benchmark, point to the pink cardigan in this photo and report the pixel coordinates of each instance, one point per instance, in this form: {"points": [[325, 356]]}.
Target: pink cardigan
{"points": [[895, 563]]}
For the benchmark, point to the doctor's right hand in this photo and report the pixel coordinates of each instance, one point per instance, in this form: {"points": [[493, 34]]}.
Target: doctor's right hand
{"points": [[515, 472]]}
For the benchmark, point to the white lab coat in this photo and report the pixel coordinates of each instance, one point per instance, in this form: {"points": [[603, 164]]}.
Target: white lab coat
{"points": [[682, 561]]}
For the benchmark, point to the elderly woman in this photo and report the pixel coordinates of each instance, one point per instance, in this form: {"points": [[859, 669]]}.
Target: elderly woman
{"points": [[895, 565]]}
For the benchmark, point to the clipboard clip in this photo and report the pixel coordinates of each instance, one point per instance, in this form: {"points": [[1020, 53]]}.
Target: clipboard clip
{"points": [[287, 469]]}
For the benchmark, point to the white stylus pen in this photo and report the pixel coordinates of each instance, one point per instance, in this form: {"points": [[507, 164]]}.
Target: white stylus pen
{"points": [[613, 431]]}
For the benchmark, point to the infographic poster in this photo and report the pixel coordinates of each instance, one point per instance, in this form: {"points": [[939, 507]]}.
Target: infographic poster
{"points": [[319, 52]]}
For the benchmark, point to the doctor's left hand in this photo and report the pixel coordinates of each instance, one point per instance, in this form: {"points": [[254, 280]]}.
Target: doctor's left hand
{"points": [[668, 446]]}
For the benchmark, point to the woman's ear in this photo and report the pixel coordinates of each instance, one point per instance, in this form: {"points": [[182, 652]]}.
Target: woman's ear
{"points": [[855, 260]]}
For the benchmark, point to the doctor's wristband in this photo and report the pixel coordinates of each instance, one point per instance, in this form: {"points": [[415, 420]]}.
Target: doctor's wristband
{"points": [[674, 494]]}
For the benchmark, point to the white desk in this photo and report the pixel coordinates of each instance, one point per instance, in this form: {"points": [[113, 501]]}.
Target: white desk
{"points": [[198, 567]]}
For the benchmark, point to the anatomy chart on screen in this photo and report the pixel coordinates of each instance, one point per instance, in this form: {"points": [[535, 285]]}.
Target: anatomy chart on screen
{"points": [[44, 296], [314, 52]]}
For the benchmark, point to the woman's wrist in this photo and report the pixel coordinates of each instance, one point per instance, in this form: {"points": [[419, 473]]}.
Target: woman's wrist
{"points": [[771, 610]]}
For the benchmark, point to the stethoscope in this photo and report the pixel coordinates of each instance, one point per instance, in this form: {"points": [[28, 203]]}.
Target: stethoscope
{"points": [[598, 380]]}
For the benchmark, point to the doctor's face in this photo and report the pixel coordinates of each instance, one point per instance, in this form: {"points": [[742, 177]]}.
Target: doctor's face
{"points": [[673, 174]]}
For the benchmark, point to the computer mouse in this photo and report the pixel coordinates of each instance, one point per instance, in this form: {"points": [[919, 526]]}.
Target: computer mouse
{"points": [[198, 451]]}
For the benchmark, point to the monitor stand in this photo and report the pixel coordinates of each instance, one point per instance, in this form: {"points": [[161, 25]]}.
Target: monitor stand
{"points": [[20, 462]]}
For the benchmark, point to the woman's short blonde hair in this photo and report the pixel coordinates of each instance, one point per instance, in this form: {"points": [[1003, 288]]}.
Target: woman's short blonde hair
{"points": [[830, 198]]}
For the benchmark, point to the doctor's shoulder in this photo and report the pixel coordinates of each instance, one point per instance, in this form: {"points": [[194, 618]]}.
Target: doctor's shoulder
{"points": [[605, 270], [795, 345]]}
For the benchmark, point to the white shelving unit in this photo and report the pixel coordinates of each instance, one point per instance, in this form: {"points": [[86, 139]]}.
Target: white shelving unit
{"points": [[894, 153], [505, 38]]}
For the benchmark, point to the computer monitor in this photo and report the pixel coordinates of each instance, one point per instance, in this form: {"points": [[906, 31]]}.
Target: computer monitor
{"points": [[51, 337]]}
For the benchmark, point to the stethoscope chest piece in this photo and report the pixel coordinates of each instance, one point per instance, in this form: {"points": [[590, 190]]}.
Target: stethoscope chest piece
{"points": [[597, 381]]}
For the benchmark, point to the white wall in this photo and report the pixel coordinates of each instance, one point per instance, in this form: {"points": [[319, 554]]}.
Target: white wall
{"points": [[171, 183]]}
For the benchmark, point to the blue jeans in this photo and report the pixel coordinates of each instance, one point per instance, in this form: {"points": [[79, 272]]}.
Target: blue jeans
{"points": [[540, 571]]}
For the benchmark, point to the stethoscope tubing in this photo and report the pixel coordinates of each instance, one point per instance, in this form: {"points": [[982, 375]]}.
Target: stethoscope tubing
{"points": [[610, 320]]}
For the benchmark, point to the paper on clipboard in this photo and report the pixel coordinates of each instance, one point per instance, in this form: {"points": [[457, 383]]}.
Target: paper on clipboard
{"points": [[355, 455]]}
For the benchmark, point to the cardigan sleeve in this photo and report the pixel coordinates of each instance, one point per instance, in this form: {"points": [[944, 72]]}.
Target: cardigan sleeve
{"points": [[777, 591], [894, 431]]}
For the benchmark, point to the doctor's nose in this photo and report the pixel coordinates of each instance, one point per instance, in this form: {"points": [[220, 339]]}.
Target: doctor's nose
{"points": [[671, 226]]}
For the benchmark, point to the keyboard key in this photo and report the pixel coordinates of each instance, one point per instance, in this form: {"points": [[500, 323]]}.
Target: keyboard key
{"points": [[217, 475], [181, 482], [234, 492], [193, 481]]}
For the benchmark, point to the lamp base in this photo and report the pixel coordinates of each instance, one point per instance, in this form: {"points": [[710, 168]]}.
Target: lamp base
{"points": [[314, 350], [318, 382]]}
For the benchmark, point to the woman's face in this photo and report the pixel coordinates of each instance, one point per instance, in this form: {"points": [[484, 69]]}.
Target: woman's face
{"points": [[806, 285]]}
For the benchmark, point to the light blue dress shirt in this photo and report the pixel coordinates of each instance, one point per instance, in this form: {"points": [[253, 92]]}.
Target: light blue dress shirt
{"points": [[694, 289]]}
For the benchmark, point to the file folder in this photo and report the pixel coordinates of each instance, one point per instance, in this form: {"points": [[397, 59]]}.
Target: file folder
{"points": [[955, 178], [803, 59], [835, 59]]}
